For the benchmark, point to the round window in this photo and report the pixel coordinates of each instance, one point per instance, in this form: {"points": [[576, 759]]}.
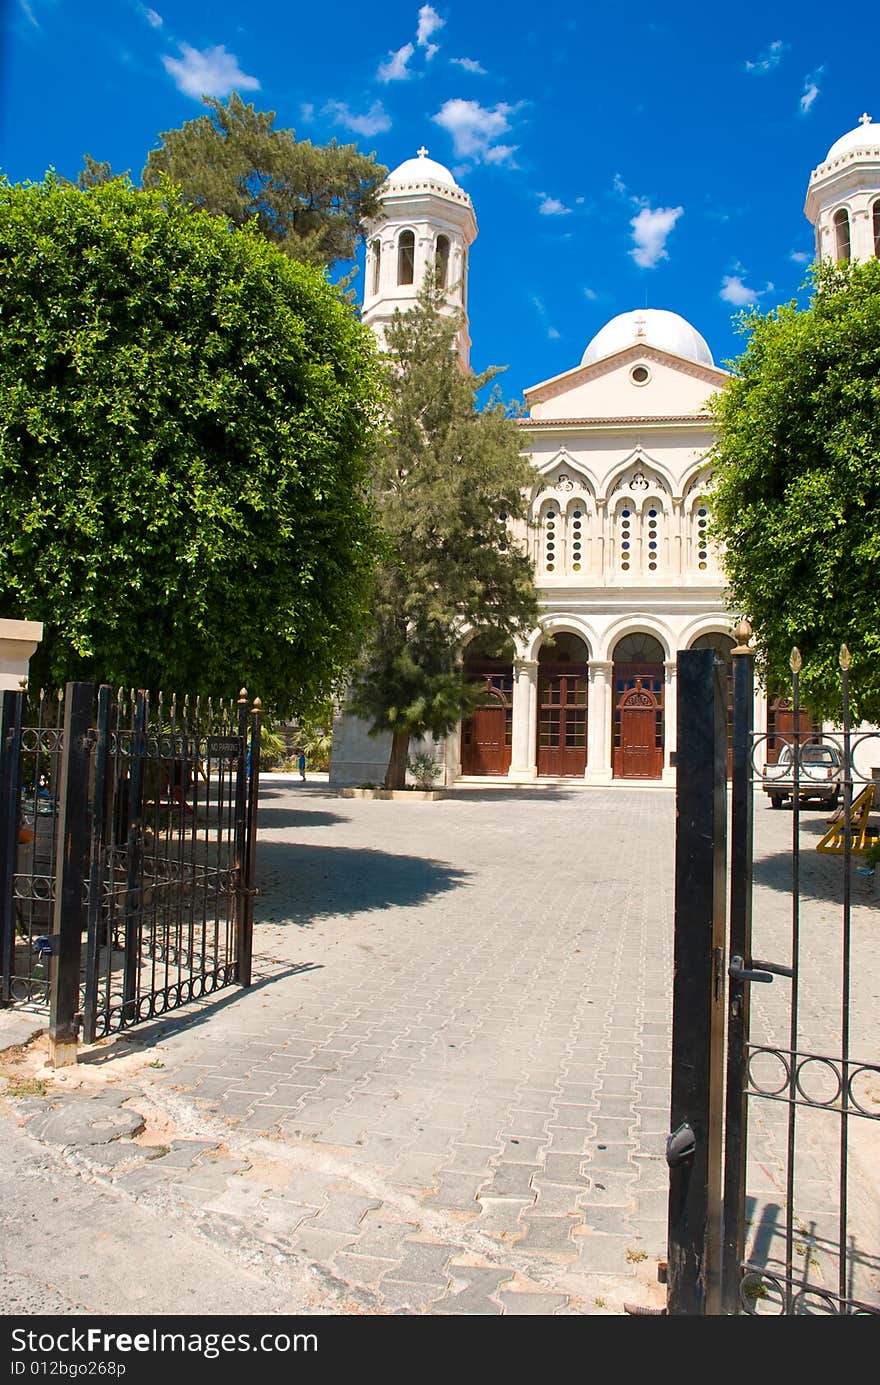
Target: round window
{"points": [[640, 375]]}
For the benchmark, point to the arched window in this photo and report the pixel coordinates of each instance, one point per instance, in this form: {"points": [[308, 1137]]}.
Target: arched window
{"points": [[441, 261], [841, 235], [577, 536], [376, 247], [877, 229], [627, 519], [552, 534], [700, 523], [652, 518], [406, 257]]}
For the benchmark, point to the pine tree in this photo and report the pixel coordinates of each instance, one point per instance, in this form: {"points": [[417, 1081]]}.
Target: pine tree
{"points": [[448, 480]]}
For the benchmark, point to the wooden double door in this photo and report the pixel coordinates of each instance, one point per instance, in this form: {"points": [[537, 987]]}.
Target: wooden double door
{"points": [[562, 719], [637, 749]]}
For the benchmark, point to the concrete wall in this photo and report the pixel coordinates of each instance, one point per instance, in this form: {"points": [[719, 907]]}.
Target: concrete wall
{"points": [[18, 642]]}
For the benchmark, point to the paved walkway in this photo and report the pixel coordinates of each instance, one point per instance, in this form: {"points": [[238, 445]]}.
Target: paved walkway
{"points": [[448, 1089]]}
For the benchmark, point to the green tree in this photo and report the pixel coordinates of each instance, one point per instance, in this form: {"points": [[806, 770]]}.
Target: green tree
{"points": [[449, 478], [187, 421], [308, 199], [797, 495]]}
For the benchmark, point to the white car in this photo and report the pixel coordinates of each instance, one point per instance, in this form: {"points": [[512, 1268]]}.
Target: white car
{"points": [[820, 775]]}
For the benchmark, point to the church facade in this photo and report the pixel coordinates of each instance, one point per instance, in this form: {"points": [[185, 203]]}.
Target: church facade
{"points": [[621, 443]]}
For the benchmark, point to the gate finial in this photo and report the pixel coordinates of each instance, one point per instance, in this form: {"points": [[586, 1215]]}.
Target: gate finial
{"points": [[795, 663], [845, 658], [743, 633]]}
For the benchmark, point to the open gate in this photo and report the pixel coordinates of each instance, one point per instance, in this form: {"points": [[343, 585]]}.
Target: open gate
{"points": [[775, 1112], [127, 837]]}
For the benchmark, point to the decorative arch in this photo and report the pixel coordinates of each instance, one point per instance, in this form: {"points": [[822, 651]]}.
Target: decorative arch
{"points": [[639, 474], [554, 623], [634, 624], [487, 734], [875, 222]]}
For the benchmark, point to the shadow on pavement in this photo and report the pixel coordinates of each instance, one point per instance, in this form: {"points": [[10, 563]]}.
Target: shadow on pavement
{"points": [[273, 819], [301, 883], [187, 1017]]}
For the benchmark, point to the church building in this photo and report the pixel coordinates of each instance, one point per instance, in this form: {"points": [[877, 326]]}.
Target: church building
{"points": [[621, 442]]}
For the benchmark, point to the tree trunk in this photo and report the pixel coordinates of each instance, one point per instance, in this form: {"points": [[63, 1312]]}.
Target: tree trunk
{"points": [[395, 775]]}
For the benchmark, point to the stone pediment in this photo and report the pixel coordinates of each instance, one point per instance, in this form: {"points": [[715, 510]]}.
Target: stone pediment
{"points": [[639, 381]]}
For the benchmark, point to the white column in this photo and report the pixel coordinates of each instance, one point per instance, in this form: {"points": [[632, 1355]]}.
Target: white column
{"points": [[525, 720], [670, 721], [598, 769]]}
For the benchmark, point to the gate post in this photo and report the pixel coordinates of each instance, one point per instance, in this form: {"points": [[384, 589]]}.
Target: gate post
{"points": [[71, 867], [736, 1112], [246, 932], [694, 1148], [11, 709]]}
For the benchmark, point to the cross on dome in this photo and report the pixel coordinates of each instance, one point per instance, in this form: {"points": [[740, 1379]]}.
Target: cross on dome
{"points": [[422, 153], [864, 118]]}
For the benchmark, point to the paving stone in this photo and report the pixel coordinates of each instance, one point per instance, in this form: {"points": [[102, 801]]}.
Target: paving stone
{"points": [[422, 1263], [520, 1305], [511, 1180], [409, 1296], [344, 1212], [458, 1192], [472, 1291], [606, 1254], [318, 1245], [566, 1167], [548, 1233], [609, 1218]]}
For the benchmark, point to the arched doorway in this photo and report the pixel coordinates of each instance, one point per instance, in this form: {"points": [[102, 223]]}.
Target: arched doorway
{"points": [[637, 745], [487, 735], [562, 706], [723, 646]]}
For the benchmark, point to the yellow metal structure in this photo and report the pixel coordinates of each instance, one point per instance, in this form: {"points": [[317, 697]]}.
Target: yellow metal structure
{"points": [[834, 840]]}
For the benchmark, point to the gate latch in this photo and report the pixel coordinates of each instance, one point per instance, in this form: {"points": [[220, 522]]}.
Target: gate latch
{"points": [[680, 1146], [758, 971]]}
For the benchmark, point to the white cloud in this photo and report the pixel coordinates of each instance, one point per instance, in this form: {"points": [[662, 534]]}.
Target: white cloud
{"points": [[374, 121], [307, 111], [429, 23], [591, 294], [811, 91], [28, 13], [735, 290], [619, 185], [769, 59], [153, 19], [502, 154], [800, 256], [553, 334], [475, 128], [551, 206], [651, 229], [395, 69], [208, 72], [469, 65], [430, 50]]}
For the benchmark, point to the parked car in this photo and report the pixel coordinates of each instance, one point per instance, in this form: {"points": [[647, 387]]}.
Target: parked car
{"points": [[820, 775]]}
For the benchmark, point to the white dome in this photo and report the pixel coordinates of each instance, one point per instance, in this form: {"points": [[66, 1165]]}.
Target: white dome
{"points": [[422, 170], [654, 327], [866, 135]]}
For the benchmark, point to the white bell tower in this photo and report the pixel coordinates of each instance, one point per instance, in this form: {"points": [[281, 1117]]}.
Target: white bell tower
{"points": [[426, 221], [843, 198]]}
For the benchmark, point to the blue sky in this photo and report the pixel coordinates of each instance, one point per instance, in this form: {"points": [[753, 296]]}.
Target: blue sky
{"points": [[617, 156]]}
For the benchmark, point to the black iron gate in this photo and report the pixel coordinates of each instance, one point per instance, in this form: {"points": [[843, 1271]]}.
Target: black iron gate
{"points": [[774, 1205], [127, 837]]}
